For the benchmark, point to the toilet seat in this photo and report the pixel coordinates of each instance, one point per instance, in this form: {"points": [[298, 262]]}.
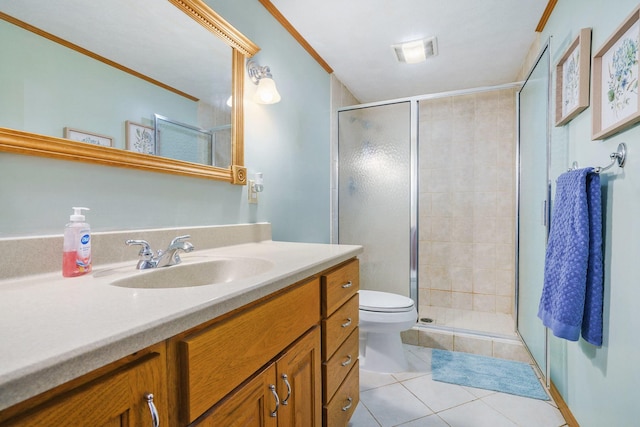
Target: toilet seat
{"points": [[384, 302]]}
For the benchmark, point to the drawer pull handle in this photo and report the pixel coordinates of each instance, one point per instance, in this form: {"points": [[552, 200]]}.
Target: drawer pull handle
{"points": [[286, 382], [273, 390], [347, 323], [347, 285], [348, 361], [345, 408], [152, 408]]}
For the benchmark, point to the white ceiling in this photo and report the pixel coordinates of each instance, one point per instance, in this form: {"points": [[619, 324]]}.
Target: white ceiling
{"points": [[480, 42]]}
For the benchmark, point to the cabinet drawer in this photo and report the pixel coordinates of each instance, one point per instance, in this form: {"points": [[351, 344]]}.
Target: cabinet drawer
{"points": [[340, 408], [337, 367], [339, 285], [216, 360], [339, 326]]}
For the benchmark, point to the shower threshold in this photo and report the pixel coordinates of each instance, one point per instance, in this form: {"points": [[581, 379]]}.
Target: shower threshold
{"points": [[489, 334], [468, 322], [474, 332]]}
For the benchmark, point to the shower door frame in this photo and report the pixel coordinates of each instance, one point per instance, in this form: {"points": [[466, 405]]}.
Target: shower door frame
{"points": [[414, 178], [546, 211]]}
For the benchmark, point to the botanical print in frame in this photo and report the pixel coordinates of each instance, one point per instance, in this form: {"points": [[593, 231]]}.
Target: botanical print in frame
{"points": [[615, 80], [88, 137], [571, 82], [620, 78], [572, 78], [140, 138]]}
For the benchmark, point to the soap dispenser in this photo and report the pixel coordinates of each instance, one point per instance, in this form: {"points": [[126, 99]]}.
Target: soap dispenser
{"points": [[76, 252]]}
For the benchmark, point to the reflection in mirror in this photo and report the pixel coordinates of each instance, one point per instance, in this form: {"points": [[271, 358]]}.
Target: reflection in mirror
{"points": [[106, 69], [192, 144]]}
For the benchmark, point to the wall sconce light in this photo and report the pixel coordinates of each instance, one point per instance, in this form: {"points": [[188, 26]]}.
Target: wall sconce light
{"points": [[266, 93]]}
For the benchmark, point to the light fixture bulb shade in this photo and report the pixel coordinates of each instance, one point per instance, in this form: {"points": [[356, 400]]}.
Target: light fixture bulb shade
{"points": [[414, 52], [266, 93]]}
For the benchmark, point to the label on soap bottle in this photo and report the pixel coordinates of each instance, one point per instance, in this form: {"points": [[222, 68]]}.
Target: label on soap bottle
{"points": [[83, 259], [77, 262]]}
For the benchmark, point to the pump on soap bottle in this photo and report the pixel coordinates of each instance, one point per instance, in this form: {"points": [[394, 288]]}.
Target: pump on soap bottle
{"points": [[76, 252]]}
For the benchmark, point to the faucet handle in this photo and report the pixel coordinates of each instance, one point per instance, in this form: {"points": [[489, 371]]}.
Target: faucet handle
{"points": [[146, 254], [179, 239], [145, 251]]}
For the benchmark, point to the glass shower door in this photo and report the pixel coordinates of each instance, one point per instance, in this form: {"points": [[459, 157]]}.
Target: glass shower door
{"points": [[533, 206], [374, 192]]}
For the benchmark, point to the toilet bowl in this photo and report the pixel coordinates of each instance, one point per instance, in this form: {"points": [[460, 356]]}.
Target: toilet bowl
{"points": [[383, 316]]}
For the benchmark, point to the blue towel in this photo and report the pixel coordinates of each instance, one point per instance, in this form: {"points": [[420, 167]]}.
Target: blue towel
{"points": [[572, 294]]}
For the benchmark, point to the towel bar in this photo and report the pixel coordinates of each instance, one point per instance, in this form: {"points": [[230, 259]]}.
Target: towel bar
{"points": [[618, 157]]}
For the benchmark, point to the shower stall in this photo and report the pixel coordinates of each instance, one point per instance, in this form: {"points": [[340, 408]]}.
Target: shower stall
{"points": [[427, 186]]}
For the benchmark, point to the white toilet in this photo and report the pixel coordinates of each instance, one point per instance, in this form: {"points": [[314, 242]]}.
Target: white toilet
{"points": [[383, 316]]}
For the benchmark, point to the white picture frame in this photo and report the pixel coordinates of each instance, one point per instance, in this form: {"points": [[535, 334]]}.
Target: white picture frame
{"points": [[88, 137]]}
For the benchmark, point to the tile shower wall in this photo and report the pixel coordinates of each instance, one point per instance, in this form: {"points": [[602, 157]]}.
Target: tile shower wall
{"points": [[467, 201]]}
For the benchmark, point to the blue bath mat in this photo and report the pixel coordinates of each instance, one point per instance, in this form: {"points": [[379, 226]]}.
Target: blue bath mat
{"points": [[489, 373]]}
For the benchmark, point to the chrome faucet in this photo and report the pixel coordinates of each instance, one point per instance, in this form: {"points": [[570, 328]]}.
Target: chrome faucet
{"points": [[170, 256], [163, 258]]}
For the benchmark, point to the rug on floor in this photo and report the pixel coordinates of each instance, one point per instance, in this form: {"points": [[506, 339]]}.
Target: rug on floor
{"points": [[489, 373]]}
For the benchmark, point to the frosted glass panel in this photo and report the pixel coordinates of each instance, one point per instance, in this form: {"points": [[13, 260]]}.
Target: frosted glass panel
{"points": [[533, 192], [374, 173]]}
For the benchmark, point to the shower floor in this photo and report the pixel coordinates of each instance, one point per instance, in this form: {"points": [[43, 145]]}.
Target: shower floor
{"points": [[492, 324]]}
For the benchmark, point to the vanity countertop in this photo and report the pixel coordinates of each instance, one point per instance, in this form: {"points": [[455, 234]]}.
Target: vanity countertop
{"points": [[55, 329]]}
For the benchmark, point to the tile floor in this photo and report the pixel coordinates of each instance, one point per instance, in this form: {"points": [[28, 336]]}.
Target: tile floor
{"points": [[412, 399]]}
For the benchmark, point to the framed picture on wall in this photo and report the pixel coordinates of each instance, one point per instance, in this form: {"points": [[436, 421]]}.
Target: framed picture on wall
{"points": [[140, 138], [616, 104], [572, 78], [88, 137]]}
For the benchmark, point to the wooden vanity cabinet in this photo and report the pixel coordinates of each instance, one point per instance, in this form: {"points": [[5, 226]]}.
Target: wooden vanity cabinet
{"points": [[253, 405], [299, 383], [285, 394], [115, 395], [215, 360], [340, 343], [297, 347]]}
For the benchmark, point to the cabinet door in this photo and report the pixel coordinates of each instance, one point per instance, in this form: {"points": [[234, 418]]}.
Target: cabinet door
{"points": [[254, 405], [300, 384], [115, 399]]}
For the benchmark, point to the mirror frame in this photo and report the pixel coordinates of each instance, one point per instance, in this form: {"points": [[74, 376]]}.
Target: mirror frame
{"points": [[21, 142]]}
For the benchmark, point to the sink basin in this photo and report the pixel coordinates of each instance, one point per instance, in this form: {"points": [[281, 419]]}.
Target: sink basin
{"points": [[214, 271]]}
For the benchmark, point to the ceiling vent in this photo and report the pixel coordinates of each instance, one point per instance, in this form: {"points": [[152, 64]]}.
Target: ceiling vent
{"points": [[416, 51]]}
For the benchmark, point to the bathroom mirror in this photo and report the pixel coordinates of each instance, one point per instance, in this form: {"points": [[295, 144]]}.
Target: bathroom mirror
{"points": [[84, 81]]}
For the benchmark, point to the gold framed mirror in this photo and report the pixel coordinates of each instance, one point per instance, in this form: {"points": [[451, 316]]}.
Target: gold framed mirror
{"points": [[28, 142]]}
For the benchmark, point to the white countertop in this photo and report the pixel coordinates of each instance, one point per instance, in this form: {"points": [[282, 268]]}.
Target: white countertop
{"points": [[54, 329]]}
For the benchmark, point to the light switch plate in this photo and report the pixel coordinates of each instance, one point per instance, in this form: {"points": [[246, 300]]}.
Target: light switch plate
{"points": [[251, 193]]}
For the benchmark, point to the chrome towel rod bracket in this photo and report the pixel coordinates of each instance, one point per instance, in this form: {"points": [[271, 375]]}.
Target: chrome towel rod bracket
{"points": [[618, 157]]}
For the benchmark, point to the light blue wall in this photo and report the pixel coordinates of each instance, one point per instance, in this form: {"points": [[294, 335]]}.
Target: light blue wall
{"points": [[288, 142], [600, 385]]}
